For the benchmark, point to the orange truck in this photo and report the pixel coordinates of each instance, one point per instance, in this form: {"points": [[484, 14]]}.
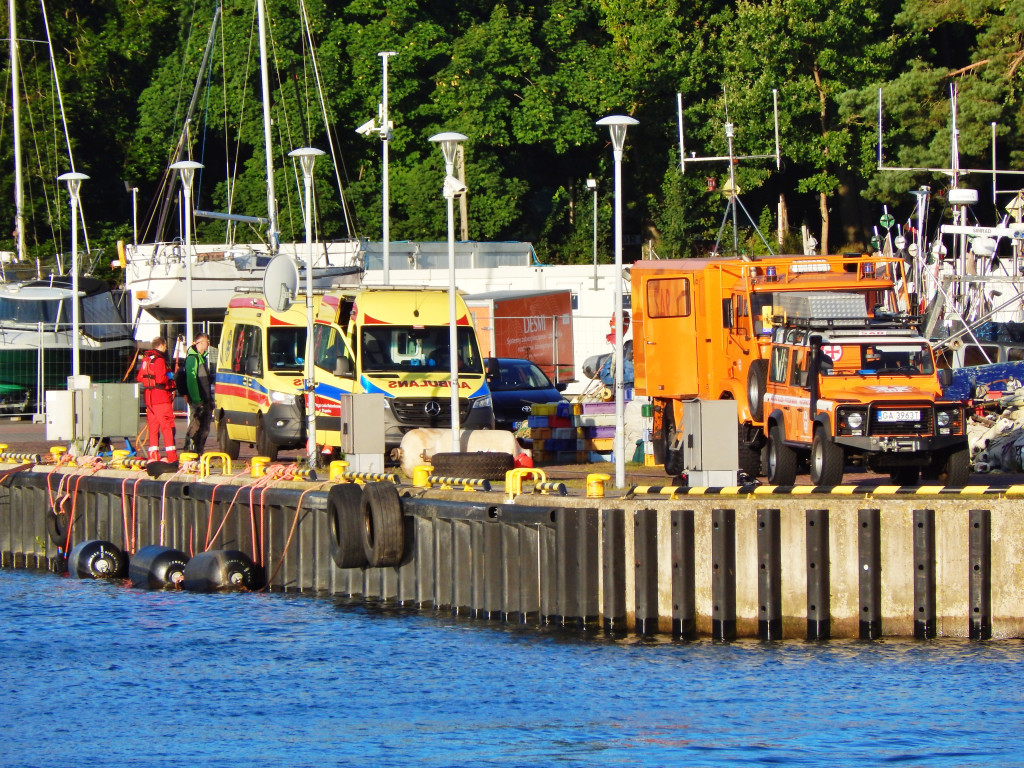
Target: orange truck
{"points": [[536, 325], [702, 329], [846, 387]]}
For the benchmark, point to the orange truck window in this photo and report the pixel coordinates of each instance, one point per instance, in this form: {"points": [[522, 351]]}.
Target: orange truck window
{"points": [[668, 297]]}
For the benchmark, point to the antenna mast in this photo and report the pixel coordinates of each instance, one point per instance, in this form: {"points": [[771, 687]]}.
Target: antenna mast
{"points": [[733, 191]]}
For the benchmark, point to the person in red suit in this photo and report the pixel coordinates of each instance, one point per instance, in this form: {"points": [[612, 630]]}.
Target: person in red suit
{"points": [[158, 390]]}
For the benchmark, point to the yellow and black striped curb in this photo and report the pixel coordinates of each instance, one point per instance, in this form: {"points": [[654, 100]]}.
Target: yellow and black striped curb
{"points": [[833, 490]]}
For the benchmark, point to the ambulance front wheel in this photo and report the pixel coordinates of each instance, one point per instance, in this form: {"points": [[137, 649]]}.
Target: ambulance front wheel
{"points": [[264, 447]]}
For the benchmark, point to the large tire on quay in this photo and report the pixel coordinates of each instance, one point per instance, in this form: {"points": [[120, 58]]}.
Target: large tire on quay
{"points": [[96, 559], [383, 534], [345, 517], [483, 465], [227, 445], [674, 459], [757, 385]]}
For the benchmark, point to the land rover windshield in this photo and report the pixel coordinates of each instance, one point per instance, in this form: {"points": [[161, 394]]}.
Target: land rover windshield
{"points": [[408, 349], [882, 358]]}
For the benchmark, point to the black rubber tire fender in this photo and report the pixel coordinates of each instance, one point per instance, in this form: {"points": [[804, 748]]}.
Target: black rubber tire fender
{"points": [[225, 443], [483, 465], [345, 517], [57, 521], [757, 385], [383, 534]]}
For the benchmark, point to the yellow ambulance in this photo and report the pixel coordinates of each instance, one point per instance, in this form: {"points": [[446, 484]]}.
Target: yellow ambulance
{"points": [[366, 340]]}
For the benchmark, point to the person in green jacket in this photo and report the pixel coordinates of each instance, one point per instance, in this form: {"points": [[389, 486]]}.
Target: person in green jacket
{"points": [[200, 394]]}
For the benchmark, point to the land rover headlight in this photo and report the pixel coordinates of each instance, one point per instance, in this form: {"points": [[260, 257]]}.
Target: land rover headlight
{"points": [[281, 397], [482, 402], [854, 420], [942, 418]]}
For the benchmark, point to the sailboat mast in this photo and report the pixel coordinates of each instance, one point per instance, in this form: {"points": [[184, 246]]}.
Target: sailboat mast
{"points": [[19, 193], [274, 234]]}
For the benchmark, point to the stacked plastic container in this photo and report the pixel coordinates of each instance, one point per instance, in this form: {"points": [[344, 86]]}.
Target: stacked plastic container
{"points": [[572, 432]]}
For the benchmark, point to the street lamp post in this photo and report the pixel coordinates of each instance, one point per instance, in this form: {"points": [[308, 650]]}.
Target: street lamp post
{"points": [[307, 156], [74, 181], [452, 187], [617, 125], [188, 169], [592, 186], [384, 130]]}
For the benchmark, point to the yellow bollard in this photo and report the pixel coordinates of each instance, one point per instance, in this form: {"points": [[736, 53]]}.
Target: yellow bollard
{"points": [[420, 474], [595, 485], [337, 470], [57, 451], [207, 459], [117, 457], [3, 447], [259, 466], [185, 458], [514, 480]]}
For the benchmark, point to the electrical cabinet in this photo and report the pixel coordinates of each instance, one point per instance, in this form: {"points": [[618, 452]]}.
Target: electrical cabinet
{"points": [[113, 410], [711, 455], [362, 431]]}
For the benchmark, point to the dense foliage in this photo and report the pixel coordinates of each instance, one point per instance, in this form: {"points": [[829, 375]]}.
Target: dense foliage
{"points": [[526, 83]]}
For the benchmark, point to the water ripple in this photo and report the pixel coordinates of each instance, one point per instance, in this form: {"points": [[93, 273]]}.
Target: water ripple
{"points": [[99, 672]]}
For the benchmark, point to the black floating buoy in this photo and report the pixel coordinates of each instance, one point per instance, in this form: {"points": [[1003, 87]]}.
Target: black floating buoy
{"points": [[97, 559], [156, 567], [222, 569]]}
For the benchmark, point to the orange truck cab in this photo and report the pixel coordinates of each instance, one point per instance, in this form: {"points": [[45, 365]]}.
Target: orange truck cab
{"points": [[847, 387], [702, 330]]}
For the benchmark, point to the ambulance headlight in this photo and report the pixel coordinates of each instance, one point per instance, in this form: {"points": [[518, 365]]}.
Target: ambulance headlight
{"points": [[482, 402], [281, 397]]}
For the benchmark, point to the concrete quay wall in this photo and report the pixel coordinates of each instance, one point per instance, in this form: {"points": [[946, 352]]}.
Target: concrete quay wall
{"points": [[808, 566]]}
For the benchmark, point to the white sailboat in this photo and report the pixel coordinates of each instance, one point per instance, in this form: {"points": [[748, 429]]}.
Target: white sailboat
{"points": [[155, 273]]}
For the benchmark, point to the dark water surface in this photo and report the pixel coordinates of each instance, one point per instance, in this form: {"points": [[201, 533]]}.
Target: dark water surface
{"points": [[99, 674]]}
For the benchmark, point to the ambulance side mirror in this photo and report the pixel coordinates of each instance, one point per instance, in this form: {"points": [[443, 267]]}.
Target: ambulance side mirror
{"points": [[343, 367]]}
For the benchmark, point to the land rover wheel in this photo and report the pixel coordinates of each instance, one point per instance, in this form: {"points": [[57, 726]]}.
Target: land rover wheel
{"points": [[227, 445], [954, 472], [264, 447], [673, 458], [757, 385], [781, 459], [826, 460]]}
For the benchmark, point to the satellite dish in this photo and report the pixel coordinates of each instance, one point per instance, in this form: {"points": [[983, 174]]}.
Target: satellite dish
{"points": [[280, 282]]}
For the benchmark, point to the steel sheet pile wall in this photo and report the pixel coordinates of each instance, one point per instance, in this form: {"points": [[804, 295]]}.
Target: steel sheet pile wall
{"points": [[714, 567]]}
